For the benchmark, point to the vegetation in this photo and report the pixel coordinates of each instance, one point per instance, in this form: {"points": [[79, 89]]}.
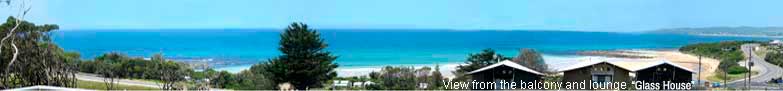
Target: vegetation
{"points": [[115, 66], [102, 86], [728, 52], [29, 57], [254, 79], [775, 55], [304, 62], [476, 61], [404, 78], [398, 78], [729, 77], [531, 59]]}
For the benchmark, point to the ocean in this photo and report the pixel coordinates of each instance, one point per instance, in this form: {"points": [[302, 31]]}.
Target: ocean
{"points": [[236, 49]]}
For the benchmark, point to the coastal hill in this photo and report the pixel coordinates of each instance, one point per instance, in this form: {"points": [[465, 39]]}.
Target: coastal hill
{"points": [[769, 32]]}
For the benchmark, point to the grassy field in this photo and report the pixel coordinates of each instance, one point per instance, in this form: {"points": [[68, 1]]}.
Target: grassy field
{"points": [[102, 86], [731, 77]]}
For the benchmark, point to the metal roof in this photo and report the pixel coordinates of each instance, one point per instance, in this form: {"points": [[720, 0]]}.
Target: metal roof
{"points": [[509, 64]]}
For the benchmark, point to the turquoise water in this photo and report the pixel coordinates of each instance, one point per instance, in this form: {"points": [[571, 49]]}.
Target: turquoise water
{"points": [[359, 48]]}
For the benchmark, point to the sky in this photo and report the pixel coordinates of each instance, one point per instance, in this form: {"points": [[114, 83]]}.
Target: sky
{"points": [[577, 15]]}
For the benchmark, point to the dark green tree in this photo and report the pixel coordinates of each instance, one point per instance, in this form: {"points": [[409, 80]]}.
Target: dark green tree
{"points": [[257, 78], [531, 59], [110, 66], [476, 61], [437, 78], [398, 78], [223, 80], [305, 63], [29, 57]]}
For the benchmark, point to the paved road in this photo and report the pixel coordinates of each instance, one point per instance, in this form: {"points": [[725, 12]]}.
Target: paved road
{"points": [[96, 78], [766, 71]]}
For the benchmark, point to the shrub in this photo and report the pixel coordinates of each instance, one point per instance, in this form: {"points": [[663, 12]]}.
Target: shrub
{"points": [[737, 70]]}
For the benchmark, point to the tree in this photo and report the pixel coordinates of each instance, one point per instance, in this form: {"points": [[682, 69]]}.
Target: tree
{"points": [[223, 80], [398, 78], [476, 61], [255, 79], [110, 68], [531, 59], [423, 76], [171, 73], [29, 57], [304, 62], [437, 78]]}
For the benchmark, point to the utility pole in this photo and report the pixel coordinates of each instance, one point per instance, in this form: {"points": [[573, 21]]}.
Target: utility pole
{"points": [[698, 78], [748, 64], [725, 76]]}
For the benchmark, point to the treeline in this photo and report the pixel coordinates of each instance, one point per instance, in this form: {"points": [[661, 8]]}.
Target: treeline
{"points": [[396, 78], [28, 57], [171, 74], [728, 52], [775, 54], [115, 66]]}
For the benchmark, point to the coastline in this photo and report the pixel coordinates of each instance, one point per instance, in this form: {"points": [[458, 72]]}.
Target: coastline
{"points": [[628, 57], [553, 61]]}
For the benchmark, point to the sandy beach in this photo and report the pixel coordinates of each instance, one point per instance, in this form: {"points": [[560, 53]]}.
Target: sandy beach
{"points": [[624, 57], [637, 57]]}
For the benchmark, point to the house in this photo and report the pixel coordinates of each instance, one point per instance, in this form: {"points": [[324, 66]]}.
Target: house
{"points": [[596, 71], [776, 42], [661, 71], [505, 71]]}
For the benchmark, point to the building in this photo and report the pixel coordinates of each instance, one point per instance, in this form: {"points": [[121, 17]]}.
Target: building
{"points": [[506, 71], [776, 42], [661, 71], [596, 71]]}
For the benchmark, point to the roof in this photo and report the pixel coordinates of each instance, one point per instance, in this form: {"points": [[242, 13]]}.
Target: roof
{"points": [[43, 87], [776, 42], [509, 64], [650, 65], [589, 63]]}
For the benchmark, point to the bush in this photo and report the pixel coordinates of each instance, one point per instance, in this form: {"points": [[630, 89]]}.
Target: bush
{"points": [[729, 52], [737, 70]]}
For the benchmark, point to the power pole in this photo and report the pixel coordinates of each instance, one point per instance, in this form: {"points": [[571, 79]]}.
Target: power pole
{"points": [[750, 64], [698, 78], [725, 76]]}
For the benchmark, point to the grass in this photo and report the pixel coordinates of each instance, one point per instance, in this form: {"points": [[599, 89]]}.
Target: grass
{"points": [[102, 86], [731, 77], [146, 80], [762, 52]]}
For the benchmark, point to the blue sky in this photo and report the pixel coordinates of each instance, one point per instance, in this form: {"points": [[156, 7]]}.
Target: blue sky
{"points": [[580, 15]]}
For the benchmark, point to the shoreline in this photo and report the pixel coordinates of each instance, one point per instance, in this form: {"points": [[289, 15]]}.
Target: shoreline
{"points": [[629, 56], [553, 61]]}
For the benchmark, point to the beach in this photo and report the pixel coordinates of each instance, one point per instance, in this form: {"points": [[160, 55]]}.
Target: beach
{"points": [[709, 65], [638, 57]]}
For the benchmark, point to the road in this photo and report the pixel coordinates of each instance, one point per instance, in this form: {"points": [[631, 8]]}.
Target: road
{"points": [[766, 71], [96, 78]]}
